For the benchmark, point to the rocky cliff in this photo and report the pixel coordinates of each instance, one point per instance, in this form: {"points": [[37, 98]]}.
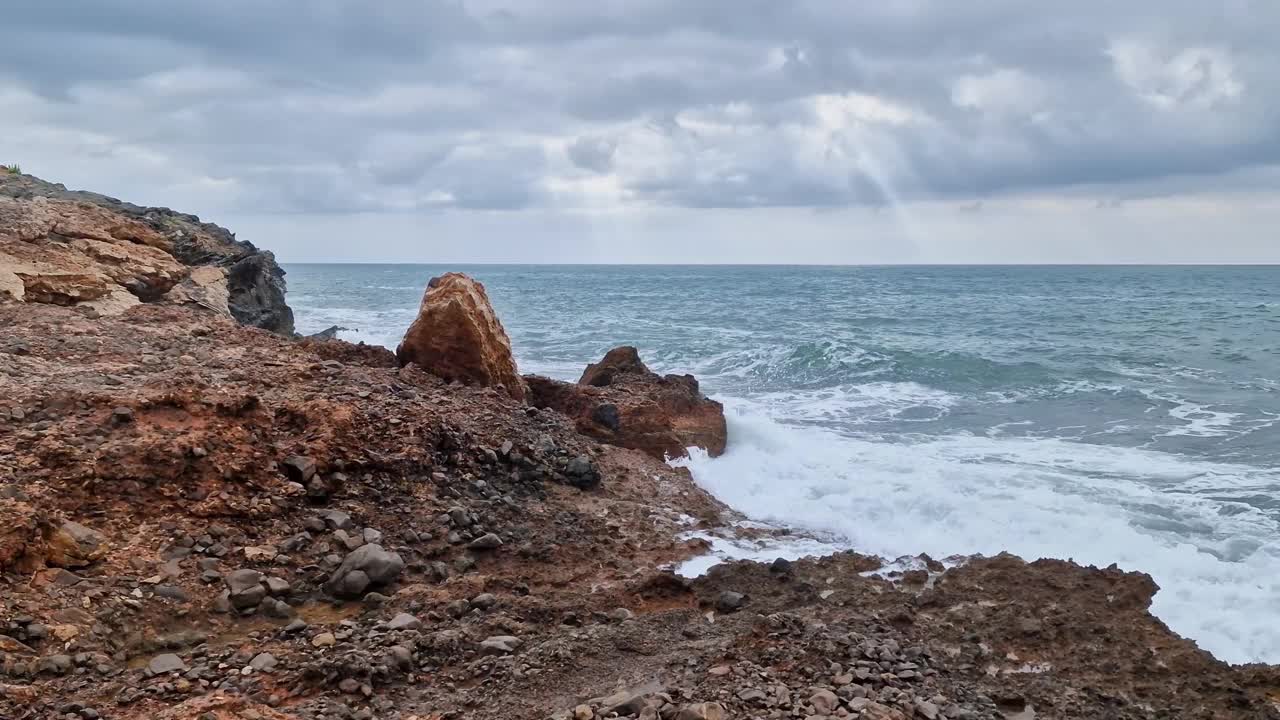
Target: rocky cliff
{"points": [[66, 247]]}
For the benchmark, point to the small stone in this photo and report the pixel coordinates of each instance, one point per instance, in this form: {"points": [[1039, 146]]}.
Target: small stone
{"points": [[324, 640], [299, 468], [927, 710], [57, 664], [278, 586], [122, 415], [499, 645], [349, 686], [488, 541], [702, 711], [583, 712], [400, 656], [263, 662], [824, 702], [166, 663], [484, 601], [620, 615], [730, 601], [404, 621], [338, 520]]}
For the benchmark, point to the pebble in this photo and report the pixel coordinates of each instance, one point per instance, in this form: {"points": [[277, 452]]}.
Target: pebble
{"points": [[324, 640]]}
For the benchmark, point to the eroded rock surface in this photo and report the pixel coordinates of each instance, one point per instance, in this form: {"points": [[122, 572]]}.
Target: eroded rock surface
{"points": [[82, 249], [620, 401], [458, 337]]}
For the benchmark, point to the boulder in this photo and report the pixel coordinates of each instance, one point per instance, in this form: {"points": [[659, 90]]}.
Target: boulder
{"points": [[73, 545], [366, 566], [620, 401], [458, 337]]}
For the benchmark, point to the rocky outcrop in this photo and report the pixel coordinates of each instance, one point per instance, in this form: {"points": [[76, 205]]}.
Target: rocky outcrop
{"points": [[82, 249], [458, 337], [620, 401]]}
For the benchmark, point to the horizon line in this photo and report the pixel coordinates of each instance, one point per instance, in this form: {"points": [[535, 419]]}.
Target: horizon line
{"points": [[771, 264]]}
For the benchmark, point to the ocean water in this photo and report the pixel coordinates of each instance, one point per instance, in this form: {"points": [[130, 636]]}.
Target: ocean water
{"points": [[1108, 415]]}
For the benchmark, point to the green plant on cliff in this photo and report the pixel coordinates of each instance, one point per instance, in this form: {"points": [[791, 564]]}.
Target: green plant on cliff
{"points": [[13, 169]]}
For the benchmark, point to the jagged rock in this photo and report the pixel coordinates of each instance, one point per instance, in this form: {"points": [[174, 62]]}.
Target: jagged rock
{"points": [[73, 545], [70, 247], [620, 401], [457, 336], [22, 536], [245, 588]]}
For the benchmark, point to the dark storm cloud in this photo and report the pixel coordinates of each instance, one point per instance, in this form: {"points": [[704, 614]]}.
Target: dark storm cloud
{"points": [[348, 106]]}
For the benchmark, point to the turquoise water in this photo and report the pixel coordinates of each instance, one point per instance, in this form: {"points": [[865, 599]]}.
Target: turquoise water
{"points": [[1105, 414]]}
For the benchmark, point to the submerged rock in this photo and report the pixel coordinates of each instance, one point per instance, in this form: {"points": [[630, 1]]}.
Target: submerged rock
{"points": [[458, 337]]}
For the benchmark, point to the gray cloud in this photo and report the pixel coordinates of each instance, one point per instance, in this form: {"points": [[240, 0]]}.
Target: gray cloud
{"points": [[413, 105]]}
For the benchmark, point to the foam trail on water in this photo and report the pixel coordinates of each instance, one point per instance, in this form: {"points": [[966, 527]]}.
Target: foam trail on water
{"points": [[1217, 562]]}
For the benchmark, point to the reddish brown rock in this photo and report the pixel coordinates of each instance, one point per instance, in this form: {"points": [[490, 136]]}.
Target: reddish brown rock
{"points": [[621, 402], [457, 336], [22, 536]]}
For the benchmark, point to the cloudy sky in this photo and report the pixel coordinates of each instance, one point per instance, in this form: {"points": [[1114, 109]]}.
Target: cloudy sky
{"points": [[668, 130]]}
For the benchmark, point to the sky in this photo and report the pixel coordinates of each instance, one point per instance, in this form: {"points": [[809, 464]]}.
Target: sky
{"points": [[721, 131]]}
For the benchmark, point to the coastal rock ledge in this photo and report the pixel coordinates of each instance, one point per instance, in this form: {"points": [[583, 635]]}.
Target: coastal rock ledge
{"points": [[97, 253], [619, 400]]}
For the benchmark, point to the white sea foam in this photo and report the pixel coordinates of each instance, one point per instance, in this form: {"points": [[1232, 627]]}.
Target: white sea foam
{"points": [[1217, 562]]}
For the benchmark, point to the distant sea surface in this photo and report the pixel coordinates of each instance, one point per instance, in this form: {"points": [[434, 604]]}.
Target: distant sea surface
{"points": [[1103, 414]]}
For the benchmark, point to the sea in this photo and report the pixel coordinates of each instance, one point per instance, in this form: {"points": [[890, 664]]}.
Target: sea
{"points": [[1124, 415]]}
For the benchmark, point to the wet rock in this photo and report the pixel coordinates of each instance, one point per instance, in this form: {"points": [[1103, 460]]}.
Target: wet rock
{"points": [[458, 337]]}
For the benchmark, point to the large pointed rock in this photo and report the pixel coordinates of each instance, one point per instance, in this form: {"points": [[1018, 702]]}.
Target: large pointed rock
{"points": [[457, 336], [621, 402]]}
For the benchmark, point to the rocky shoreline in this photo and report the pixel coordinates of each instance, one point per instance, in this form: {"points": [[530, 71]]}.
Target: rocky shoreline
{"points": [[202, 516]]}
